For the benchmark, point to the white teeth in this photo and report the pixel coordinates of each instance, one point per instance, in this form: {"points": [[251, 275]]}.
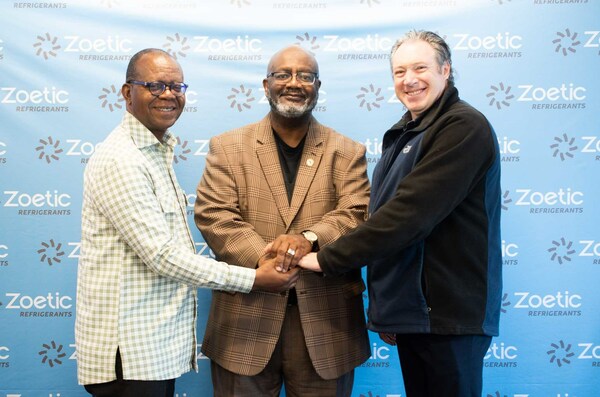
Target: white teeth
{"points": [[414, 93], [166, 109]]}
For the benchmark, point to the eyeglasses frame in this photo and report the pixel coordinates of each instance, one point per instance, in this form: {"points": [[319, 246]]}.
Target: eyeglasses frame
{"points": [[295, 75], [169, 86]]}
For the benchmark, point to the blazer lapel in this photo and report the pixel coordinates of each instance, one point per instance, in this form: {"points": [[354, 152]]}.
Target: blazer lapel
{"points": [[266, 151], [309, 163]]}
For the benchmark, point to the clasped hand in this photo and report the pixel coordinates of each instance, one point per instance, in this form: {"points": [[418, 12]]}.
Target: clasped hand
{"points": [[292, 250], [269, 279]]}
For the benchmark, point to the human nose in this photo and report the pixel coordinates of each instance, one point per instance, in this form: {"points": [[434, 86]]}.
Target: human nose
{"points": [[294, 80], [410, 77], [171, 93]]}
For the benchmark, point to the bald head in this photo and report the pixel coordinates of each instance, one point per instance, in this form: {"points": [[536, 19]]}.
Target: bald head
{"points": [[292, 52], [132, 67]]}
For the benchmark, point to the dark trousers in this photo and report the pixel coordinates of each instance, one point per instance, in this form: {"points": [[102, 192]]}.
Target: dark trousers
{"points": [[442, 365], [131, 388]]}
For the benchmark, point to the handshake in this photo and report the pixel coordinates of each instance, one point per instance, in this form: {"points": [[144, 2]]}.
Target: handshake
{"points": [[279, 267]]}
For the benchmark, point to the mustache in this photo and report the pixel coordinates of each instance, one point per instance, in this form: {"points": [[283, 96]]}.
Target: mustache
{"points": [[293, 91]]}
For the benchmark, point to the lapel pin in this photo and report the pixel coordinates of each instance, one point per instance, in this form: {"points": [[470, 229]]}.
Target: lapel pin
{"points": [[310, 162]]}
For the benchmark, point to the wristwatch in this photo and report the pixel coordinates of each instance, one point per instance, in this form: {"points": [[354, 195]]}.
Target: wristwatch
{"points": [[312, 238]]}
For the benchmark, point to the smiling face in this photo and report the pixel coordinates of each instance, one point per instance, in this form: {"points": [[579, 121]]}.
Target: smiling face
{"points": [[157, 113], [419, 80], [292, 99]]}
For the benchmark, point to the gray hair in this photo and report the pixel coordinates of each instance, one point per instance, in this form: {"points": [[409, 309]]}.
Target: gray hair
{"points": [[440, 47]]}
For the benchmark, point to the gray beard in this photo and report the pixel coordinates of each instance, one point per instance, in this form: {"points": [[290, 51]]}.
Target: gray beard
{"points": [[293, 111]]}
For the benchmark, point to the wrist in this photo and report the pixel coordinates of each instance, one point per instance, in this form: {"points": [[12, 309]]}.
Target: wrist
{"points": [[312, 238]]}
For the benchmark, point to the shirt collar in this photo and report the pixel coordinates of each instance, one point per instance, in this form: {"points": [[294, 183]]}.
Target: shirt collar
{"points": [[142, 136]]}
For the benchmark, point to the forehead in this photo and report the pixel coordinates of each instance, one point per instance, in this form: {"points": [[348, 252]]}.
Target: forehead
{"points": [[412, 52], [157, 66], [293, 58]]}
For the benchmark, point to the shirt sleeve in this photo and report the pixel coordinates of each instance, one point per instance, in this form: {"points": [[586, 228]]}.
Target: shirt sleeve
{"points": [[125, 193]]}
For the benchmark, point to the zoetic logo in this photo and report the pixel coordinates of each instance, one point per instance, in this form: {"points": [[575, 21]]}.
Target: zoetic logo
{"points": [[46, 46], [561, 251], [4, 353], [182, 150], [51, 252], [497, 393], [560, 353], [505, 303], [566, 42], [500, 96], [369, 394], [113, 102], [241, 98], [369, 2], [52, 354], [501, 355], [110, 3], [506, 200], [563, 147], [369, 97], [49, 149], [177, 46], [563, 200], [306, 40], [240, 3]]}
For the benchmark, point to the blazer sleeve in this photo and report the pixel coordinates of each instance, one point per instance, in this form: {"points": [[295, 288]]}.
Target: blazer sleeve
{"points": [[217, 212], [352, 189]]}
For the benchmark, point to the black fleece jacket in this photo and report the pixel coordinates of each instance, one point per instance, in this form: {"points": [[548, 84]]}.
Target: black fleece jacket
{"points": [[432, 244]]}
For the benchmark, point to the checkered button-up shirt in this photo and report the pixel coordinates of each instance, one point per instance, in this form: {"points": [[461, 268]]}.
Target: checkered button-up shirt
{"points": [[138, 271]]}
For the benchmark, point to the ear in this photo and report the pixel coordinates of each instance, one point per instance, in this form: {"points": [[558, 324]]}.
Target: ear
{"points": [[266, 87], [126, 92], [446, 70]]}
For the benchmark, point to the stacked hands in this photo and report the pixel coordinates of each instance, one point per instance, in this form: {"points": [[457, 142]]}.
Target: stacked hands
{"points": [[292, 250], [289, 252], [285, 256]]}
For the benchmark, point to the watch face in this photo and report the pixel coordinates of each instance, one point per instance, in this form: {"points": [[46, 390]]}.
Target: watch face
{"points": [[310, 236]]}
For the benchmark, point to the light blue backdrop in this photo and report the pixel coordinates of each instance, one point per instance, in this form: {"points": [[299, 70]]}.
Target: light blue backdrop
{"points": [[530, 65]]}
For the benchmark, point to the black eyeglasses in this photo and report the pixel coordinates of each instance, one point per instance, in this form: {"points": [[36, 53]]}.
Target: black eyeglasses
{"points": [[156, 88], [304, 78]]}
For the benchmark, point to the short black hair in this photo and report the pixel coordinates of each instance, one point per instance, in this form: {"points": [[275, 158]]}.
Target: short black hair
{"points": [[132, 71]]}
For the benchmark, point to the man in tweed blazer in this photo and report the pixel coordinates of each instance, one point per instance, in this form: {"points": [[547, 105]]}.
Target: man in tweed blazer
{"points": [[292, 182]]}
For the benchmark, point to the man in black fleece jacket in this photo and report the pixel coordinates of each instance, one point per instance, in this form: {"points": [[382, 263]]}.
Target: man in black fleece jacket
{"points": [[432, 244]]}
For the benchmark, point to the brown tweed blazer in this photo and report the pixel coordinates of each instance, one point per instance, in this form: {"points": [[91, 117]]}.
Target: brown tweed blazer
{"points": [[242, 205]]}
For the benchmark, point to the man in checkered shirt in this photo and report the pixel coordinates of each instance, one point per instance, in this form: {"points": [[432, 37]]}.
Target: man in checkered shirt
{"points": [[138, 274]]}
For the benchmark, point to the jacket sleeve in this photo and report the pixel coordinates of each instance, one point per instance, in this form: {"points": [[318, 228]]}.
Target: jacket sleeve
{"points": [[453, 159]]}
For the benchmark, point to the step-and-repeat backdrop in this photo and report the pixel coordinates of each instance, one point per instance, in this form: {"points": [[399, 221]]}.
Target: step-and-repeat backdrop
{"points": [[531, 66]]}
